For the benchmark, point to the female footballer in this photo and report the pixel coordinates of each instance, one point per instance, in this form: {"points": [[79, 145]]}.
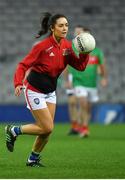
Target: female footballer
{"points": [[46, 61]]}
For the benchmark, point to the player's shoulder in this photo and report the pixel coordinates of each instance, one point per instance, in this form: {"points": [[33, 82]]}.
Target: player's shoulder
{"points": [[41, 43], [98, 49]]}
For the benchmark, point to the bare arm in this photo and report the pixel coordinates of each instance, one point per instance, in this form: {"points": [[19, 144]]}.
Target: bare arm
{"points": [[103, 73], [67, 78]]}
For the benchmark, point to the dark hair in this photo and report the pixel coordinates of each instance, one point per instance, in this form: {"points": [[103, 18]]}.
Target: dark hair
{"points": [[79, 26], [83, 27], [48, 21], [86, 29]]}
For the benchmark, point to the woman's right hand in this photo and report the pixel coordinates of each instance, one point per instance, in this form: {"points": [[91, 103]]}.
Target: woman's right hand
{"points": [[18, 90]]}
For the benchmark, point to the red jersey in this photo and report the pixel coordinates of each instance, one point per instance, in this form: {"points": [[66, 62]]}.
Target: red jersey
{"points": [[49, 57]]}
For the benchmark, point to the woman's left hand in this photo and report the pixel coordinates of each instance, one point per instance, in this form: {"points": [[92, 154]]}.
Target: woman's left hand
{"points": [[18, 90]]}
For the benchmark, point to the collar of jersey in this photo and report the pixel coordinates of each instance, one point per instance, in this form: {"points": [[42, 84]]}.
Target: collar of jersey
{"points": [[54, 42]]}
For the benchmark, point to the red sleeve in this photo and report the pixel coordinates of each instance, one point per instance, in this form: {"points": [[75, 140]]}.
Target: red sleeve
{"points": [[80, 62], [25, 64]]}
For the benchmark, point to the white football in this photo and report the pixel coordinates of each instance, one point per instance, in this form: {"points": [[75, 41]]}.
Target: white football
{"points": [[84, 42]]}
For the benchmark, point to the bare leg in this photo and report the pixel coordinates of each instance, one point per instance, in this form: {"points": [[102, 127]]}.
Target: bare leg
{"points": [[43, 125], [72, 108], [41, 140], [84, 112]]}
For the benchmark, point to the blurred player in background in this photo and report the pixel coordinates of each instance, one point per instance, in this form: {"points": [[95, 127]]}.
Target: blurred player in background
{"points": [[83, 88], [72, 101], [43, 65]]}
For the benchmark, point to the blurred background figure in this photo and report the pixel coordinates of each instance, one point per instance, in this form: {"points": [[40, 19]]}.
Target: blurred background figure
{"points": [[82, 88], [72, 101]]}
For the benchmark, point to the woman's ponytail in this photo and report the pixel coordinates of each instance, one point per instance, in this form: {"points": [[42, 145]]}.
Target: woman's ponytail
{"points": [[44, 24]]}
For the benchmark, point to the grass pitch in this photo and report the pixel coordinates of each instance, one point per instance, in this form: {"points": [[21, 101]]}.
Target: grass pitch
{"points": [[100, 156]]}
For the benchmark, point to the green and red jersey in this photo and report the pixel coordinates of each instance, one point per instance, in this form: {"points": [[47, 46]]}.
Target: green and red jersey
{"points": [[89, 76]]}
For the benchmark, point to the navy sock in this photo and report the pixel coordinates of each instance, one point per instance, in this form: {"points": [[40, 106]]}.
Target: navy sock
{"points": [[16, 130], [34, 156]]}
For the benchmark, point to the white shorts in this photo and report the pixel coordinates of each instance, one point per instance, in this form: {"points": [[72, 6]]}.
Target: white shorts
{"points": [[90, 93], [70, 92], [37, 100]]}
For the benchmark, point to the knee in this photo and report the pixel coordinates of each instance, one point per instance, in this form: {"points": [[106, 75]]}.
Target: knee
{"points": [[47, 129]]}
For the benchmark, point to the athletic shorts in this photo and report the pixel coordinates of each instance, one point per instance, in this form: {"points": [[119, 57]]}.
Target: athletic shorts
{"points": [[37, 100], [70, 92], [90, 93]]}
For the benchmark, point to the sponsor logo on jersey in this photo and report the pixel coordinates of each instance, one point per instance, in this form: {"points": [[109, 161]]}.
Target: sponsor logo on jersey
{"points": [[66, 52], [93, 60]]}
